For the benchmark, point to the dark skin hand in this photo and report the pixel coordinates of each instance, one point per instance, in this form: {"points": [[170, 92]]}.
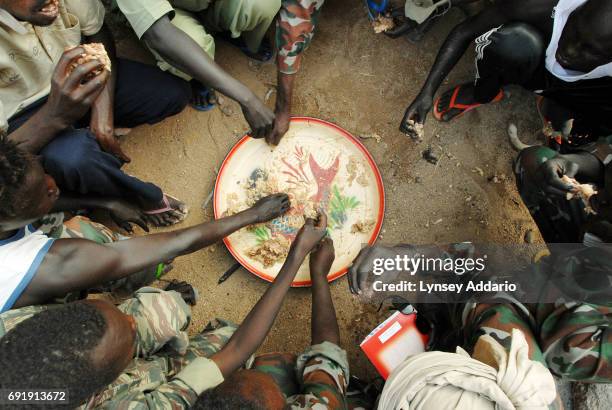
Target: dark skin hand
{"points": [[256, 326], [178, 49], [69, 100], [582, 166], [102, 122], [68, 266], [534, 12], [324, 325], [362, 268], [283, 108]]}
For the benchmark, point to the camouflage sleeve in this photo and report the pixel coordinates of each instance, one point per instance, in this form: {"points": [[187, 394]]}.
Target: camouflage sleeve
{"points": [[162, 318], [323, 371], [576, 340], [295, 28]]}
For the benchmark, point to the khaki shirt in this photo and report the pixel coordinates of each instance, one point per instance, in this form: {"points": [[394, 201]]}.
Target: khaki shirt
{"points": [[142, 14], [29, 54]]}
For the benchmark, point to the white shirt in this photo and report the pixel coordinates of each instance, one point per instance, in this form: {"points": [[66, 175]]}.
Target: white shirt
{"points": [[561, 14], [20, 258]]}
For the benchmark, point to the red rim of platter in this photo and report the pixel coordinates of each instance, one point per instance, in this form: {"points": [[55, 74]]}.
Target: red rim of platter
{"points": [[379, 219]]}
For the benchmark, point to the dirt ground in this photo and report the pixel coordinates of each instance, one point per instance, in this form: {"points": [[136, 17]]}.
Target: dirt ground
{"points": [[363, 82]]}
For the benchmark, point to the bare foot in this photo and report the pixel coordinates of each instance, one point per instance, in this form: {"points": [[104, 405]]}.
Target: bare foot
{"points": [[168, 212]]}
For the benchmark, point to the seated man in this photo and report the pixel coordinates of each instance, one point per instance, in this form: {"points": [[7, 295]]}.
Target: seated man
{"points": [[139, 355], [539, 170], [275, 380], [560, 49], [491, 378], [37, 268], [174, 30], [569, 336], [68, 118]]}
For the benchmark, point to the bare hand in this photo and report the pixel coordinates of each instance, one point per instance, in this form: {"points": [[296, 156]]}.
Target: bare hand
{"points": [[104, 131], [322, 258], [270, 207], [72, 93], [310, 234], [550, 173], [259, 117], [281, 126], [124, 214], [417, 112], [363, 267]]}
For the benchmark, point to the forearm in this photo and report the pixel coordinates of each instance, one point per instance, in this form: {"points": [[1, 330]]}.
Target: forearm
{"points": [[284, 97], [102, 108], [255, 327], [451, 51], [590, 168], [38, 131], [140, 252], [324, 325], [179, 50]]}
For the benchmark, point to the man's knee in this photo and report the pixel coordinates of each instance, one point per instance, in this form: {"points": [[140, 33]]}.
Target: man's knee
{"points": [[263, 8], [518, 43]]}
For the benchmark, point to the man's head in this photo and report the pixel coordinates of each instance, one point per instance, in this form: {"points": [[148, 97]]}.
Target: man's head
{"points": [[36, 12], [26, 192], [81, 347], [586, 40], [245, 389]]}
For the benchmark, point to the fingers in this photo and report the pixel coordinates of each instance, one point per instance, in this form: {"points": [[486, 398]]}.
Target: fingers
{"points": [[81, 72], [88, 92], [322, 221], [66, 60], [571, 169], [353, 274], [141, 222], [557, 186]]}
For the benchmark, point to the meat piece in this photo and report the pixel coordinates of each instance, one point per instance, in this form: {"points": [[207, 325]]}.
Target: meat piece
{"points": [[415, 130], [271, 251], [582, 191]]}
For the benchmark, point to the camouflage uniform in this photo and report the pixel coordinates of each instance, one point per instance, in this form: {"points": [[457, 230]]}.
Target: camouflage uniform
{"points": [[560, 220], [317, 379], [170, 369], [295, 28], [574, 339]]}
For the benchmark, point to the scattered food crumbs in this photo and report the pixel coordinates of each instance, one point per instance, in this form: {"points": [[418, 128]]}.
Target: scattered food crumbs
{"points": [[270, 251], [374, 135], [382, 24], [363, 226], [479, 171]]}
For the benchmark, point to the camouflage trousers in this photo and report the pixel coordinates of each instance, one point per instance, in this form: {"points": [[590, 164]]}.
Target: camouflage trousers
{"points": [[80, 227], [573, 340], [313, 380]]}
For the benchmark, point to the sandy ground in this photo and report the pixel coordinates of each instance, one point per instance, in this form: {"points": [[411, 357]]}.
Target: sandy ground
{"points": [[363, 82]]}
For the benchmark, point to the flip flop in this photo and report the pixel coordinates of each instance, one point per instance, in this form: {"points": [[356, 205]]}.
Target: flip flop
{"points": [[453, 104], [204, 93], [167, 208]]}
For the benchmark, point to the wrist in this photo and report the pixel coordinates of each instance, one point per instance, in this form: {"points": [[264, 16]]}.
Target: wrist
{"points": [[53, 122]]}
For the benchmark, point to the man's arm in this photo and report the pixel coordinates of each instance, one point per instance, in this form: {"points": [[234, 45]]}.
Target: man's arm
{"points": [[178, 49], [324, 324], [102, 110], [69, 100], [249, 336], [77, 264], [457, 42]]}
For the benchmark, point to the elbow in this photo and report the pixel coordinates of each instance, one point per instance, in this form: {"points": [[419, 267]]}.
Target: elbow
{"points": [[154, 38]]}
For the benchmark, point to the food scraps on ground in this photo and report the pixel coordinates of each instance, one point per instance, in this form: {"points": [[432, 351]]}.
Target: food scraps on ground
{"points": [[582, 191], [92, 51], [382, 24]]}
